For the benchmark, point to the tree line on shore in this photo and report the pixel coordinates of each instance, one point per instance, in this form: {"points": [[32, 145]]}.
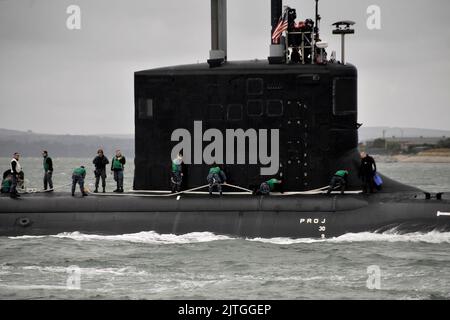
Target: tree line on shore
{"points": [[78, 146]]}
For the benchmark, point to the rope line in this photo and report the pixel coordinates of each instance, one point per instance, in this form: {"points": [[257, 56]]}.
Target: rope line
{"points": [[164, 193], [36, 190]]}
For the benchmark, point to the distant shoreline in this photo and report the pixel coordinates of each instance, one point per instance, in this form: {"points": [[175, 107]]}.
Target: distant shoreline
{"points": [[414, 159]]}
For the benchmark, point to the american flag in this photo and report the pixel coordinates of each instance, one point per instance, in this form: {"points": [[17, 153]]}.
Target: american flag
{"points": [[281, 27]]}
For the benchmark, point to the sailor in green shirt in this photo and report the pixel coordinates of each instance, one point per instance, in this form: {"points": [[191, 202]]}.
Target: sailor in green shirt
{"points": [[268, 186], [78, 176], [338, 180], [117, 166], [6, 182], [176, 174], [216, 177]]}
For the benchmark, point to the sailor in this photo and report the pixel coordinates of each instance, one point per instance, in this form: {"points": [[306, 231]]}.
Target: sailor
{"points": [[16, 169], [21, 180], [48, 170], [299, 26], [216, 178], [100, 162], [292, 15], [268, 186], [293, 39], [78, 176], [117, 166], [6, 181], [367, 172], [338, 180], [295, 55], [321, 54], [309, 27], [176, 175]]}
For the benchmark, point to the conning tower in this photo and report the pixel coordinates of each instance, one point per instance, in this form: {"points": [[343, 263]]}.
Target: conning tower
{"points": [[309, 100]]}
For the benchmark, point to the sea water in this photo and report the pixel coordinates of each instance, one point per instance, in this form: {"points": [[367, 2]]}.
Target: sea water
{"points": [[202, 265]]}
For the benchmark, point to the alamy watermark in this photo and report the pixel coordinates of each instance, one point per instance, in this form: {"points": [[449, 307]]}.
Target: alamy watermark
{"points": [[373, 22], [374, 19], [73, 281], [73, 21], [374, 277], [229, 149]]}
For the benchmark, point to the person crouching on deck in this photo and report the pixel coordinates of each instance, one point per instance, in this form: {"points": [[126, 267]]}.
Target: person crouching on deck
{"points": [[216, 178], [268, 186], [338, 180], [78, 176]]}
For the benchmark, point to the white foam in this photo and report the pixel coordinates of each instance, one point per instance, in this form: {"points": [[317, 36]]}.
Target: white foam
{"points": [[152, 237], [434, 237], [26, 237], [393, 236], [285, 241], [148, 237]]}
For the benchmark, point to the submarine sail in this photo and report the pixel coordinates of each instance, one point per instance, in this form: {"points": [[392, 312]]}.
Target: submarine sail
{"points": [[311, 107]]}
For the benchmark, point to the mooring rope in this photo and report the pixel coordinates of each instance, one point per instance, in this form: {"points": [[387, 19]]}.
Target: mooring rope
{"points": [[36, 190], [163, 193], [150, 195], [142, 193], [239, 188], [189, 191], [314, 191]]}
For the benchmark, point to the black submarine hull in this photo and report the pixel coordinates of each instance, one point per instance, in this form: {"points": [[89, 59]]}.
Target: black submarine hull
{"points": [[298, 216]]}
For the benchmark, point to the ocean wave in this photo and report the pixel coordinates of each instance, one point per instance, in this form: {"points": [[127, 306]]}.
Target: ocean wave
{"points": [[285, 241], [433, 237], [33, 287], [151, 237], [115, 271], [27, 237]]}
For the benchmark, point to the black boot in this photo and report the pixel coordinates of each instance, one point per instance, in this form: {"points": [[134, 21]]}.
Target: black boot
{"points": [[96, 190], [104, 190]]}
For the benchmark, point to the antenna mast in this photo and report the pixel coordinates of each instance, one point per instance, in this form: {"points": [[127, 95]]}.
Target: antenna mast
{"points": [[317, 23], [218, 52]]}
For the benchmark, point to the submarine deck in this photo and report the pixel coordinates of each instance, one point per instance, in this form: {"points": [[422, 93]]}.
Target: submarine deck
{"points": [[247, 67], [299, 216], [144, 202]]}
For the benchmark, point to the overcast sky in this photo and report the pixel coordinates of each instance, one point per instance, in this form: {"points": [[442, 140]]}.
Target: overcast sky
{"points": [[56, 80]]}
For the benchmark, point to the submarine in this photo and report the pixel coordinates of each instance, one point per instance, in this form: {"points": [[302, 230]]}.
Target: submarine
{"points": [[292, 116]]}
